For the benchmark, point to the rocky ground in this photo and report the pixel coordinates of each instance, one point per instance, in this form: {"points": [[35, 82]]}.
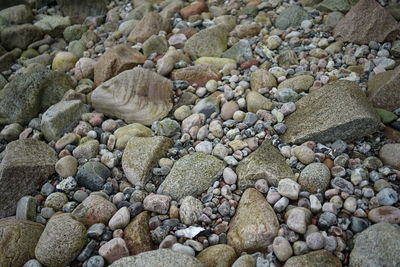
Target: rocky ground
{"points": [[217, 133]]}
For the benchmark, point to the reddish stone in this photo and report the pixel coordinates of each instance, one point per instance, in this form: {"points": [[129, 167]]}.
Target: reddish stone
{"points": [[386, 214], [248, 63], [199, 74], [392, 134], [188, 32], [193, 9]]}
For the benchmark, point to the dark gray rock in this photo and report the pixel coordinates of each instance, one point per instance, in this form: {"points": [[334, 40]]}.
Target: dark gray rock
{"points": [[291, 17], [20, 36], [93, 175]]}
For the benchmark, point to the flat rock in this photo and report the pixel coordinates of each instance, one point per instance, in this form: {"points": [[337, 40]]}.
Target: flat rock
{"points": [[20, 36], [314, 259], [254, 226], [21, 159], [18, 239], [338, 110], [357, 28], [199, 74], [388, 214], [191, 175], [137, 234], [219, 256], [264, 163], [383, 91], [376, 246], [151, 24], [137, 95]]}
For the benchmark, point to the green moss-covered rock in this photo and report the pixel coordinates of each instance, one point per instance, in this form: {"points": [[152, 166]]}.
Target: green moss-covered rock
{"points": [[314, 259], [385, 115], [137, 234], [74, 32], [124, 134]]}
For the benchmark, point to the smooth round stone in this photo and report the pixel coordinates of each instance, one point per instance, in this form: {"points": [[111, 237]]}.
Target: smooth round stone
{"points": [[95, 261], [282, 248], [387, 197], [239, 115], [228, 109], [350, 204], [230, 177], [182, 112], [315, 177], [315, 241], [212, 85], [64, 61], [66, 166], [326, 220], [204, 147], [304, 154], [386, 214], [218, 255], [261, 185], [358, 225], [300, 248], [47, 189], [297, 219], [183, 249], [80, 195], [56, 201], [390, 155], [92, 175], [32, 263], [289, 188], [245, 260], [273, 42], [190, 211], [120, 219]]}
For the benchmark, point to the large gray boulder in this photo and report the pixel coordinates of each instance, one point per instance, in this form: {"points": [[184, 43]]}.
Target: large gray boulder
{"points": [[338, 110], [378, 245], [28, 94], [26, 165]]}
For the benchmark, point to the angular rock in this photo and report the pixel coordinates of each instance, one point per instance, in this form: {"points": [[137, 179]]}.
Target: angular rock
{"points": [[78, 10], [199, 74], [155, 44], [151, 24], [338, 110], [20, 36], [26, 209], [254, 226], [299, 83], [191, 175], [140, 156], [116, 60], [21, 159], [297, 219], [61, 241], [137, 95], [193, 9], [383, 91], [125, 133], [334, 5], [93, 175], [137, 234], [314, 259], [114, 250], [240, 52], [219, 256], [376, 246], [264, 163], [291, 17], [357, 28], [18, 239], [167, 63]]}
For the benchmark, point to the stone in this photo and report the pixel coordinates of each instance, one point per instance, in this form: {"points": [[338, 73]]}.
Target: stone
{"points": [[297, 219], [84, 68], [56, 201], [315, 241], [6, 61], [387, 197], [315, 177], [116, 60], [191, 175], [377, 245], [207, 106], [78, 10], [61, 241], [20, 36], [167, 63], [11, 132], [343, 113], [151, 24], [190, 210], [245, 260], [86, 150], [199, 74], [386, 214], [18, 241], [282, 248], [21, 159], [289, 188], [93, 175], [137, 95], [219, 256], [390, 155], [291, 17], [114, 250], [193, 9], [314, 259], [125, 133], [304, 154], [332, 19], [216, 62], [355, 27], [228, 109], [155, 44], [157, 203], [254, 226], [137, 234], [255, 101], [18, 14], [334, 5], [240, 52], [64, 61], [120, 219], [265, 163], [74, 32], [94, 209], [245, 30], [26, 209], [53, 25], [210, 42], [160, 257], [262, 79], [299, 83], [382, 89], [28, 94], [167, 127], [60, 118], [141, 154]]}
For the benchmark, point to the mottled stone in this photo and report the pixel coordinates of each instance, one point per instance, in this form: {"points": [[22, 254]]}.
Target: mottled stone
{"points": [[137, 234], [314, 259], [218, 256]]}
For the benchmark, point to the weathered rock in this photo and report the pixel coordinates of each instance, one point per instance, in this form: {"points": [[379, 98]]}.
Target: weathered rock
{"points": [[28, 94], [199, 74], [114, 250], [157, 203], [291, 17], [137, 95], [254, 226], [217, 62], [6, 61], [190, 210], [151, 24], [78, 10], [155, 44], [18, 239], [383, 91], [18, 14], [314, 259], [264, 163], [167, 63], [92, 175], [245, 260], [116, 60], [53, 25], [219, 256], [390, 155], [64, 61], [61, 241], [191, 175], [195, 8], [334, 5], [125, 133], [86, 150], [137, 234], [315, 177], [21, 159], [140, 156], [20, 36], [160, 257], [297, 219], [376, 246], [299, 83], [240, 52], [262, 79], [255, 101], [210, 42], [357, 28], [343, 113]]}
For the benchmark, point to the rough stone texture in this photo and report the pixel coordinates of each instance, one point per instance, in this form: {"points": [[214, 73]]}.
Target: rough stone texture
{"points": [[18, 14], [390, 155], [378, 245], [28, 94], [254, 226], [264, 163], [245, 260], [140, 156], [21, 159], [383, 89], [338, 110], [18, 239], [114, 250], [314, 259], [20, 36], [125, 133], [61, 241], [210, 42], [158, 258], [137, 95], [190, 210], [217, 256], [116, 60], [137, 234], [152, 23], [199, 74], [60, 118], [291, 17], [299, 83], [191, 175], [357, 28], [262, 79], [315, 177], [78, 10]]}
